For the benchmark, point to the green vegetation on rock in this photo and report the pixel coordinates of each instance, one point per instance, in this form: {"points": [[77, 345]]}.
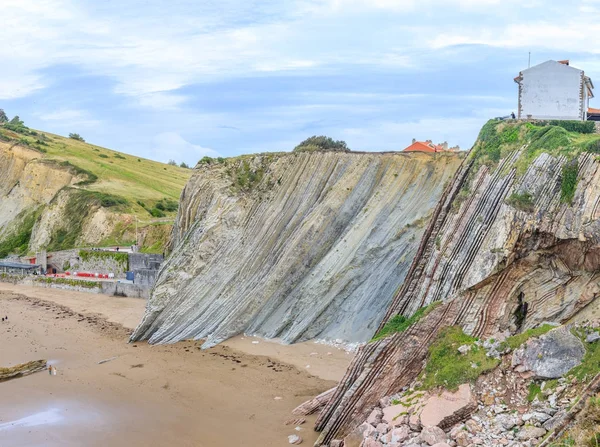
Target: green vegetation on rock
{"points": [[400, 323], [499, 139], [590, 366], [515, 341], [321, 143], [447, 367], [120, 258], [521, 201], [535, 390], [80, 204], [16, 239], [245, 177], [568, 183]]}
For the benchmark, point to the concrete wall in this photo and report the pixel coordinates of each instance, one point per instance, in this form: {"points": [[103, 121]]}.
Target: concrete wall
{"points": [[551, 91], [106, 288], [125, 289], [145, 268], [144, 261], [145, 277]]}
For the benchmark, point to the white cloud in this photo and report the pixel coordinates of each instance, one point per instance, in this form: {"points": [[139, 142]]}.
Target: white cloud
{"points": [[68, 118], [172, 146], [565, 36], [162, 100], [148, 59]]}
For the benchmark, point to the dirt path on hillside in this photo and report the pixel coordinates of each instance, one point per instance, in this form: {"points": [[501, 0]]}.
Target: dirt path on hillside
{"points": [[145, 395]]}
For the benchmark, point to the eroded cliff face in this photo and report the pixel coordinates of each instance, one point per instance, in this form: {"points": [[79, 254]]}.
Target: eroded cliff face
{"points": [[26, 182], [293, 246], [499, 239], [41, 204]]}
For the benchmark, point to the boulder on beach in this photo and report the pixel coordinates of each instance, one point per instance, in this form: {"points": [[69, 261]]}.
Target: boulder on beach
{"points": [[550, 356]]}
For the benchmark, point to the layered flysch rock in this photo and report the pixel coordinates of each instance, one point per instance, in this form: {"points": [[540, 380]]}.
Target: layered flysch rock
{"points": [[503, 251], [294, 246]]}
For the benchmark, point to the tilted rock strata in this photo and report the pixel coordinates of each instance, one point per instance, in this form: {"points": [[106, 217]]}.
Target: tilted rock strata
{"points": [[484, 259], [316, 249]]}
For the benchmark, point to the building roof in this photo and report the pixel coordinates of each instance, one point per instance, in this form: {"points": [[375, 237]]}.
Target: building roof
{"points": [[18, 265], [423, 146], [519, 78]]}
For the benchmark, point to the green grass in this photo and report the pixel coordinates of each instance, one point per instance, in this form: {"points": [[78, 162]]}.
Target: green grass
{"points": [[447, 367], [535, 390], [568, 183], [400, 323], [515, 341], [499, 139], [590, 366]]}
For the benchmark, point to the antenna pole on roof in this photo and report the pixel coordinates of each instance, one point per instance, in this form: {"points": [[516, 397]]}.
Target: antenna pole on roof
{"points": [[529, 62]]}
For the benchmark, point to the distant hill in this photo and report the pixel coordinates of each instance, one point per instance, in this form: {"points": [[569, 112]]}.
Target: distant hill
{"points": [[66, 192]]}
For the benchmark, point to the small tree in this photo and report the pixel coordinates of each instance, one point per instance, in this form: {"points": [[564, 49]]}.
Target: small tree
{"points": [[16, 125], [3, 116], [76, 136], [184, 165], [172, 163], [16, 121]]}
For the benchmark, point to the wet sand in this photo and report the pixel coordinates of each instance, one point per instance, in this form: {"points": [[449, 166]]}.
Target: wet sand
{"points": [[147, 395]]}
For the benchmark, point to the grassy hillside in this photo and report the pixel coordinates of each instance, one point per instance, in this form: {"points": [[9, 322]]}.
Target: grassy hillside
{"points": [[139, 197], [143, 183]]}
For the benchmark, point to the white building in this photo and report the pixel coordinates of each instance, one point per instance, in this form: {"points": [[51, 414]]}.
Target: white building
{"points": [[554, 90]]}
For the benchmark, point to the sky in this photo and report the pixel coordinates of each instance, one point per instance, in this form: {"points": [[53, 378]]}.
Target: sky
{"points": [[187, 78]]}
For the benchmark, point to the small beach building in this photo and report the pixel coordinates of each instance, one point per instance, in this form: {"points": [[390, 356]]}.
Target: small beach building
{"points": [[16, 268], [554, 90]]}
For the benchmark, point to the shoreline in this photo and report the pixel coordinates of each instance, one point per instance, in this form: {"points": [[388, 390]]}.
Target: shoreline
{"points": [[236, 394], [326, 361]]}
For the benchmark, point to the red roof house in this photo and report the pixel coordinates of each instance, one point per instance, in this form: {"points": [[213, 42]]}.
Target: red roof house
{"points": [[424, 146]]}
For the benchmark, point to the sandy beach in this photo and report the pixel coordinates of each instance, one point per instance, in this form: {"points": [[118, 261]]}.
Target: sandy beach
{"points": [[239, 393]]}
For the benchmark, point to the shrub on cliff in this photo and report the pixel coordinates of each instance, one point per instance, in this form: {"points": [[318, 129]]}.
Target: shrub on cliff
{"points": [[76, 136], [16, 125], [568, 183], [321, 143], [3, 116], [521, 201], [400, 323]]}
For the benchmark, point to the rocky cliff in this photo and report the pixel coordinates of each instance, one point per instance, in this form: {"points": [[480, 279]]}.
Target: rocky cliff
{"points": [[513, 242], [294, 246]]}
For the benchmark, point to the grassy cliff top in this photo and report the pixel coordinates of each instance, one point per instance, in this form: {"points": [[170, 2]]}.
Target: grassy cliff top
{"points": [[132, 178], [498, 139]]}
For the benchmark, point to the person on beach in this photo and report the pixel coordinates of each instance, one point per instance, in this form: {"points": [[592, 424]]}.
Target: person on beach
{"points": [[50, 370]]}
